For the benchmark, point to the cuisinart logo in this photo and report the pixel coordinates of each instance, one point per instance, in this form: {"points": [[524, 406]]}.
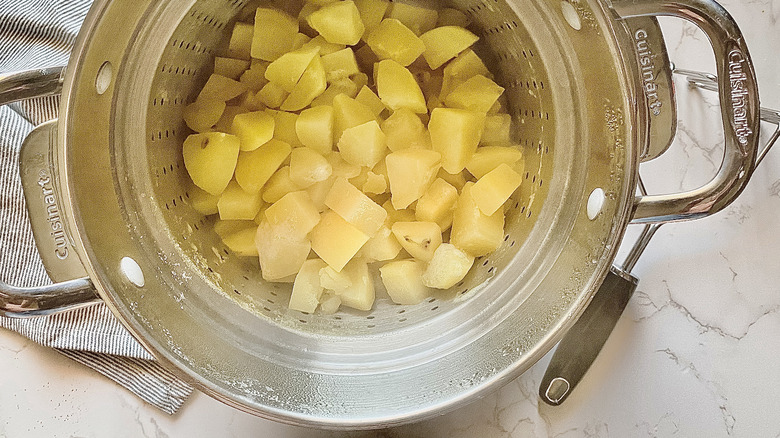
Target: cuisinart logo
{"points": [[53, 216], [739, 95]]}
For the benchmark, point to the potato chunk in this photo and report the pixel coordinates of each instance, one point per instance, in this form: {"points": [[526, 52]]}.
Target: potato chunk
{"points": [[240, 45], [455, 133], [404, 130], [403, 281], [339, 65], [382, 246], [314, 127], [280, 255], [487, 158], [311, 85], [284, 127], [392, 40], [272, 95], [338, 23], [419, 239], [336, 241], [202, 115], [445, 43], [355, 207], [348, 113], [363, 145], [371, 12], [498, 129], [274, 34], [437, 204], [308, 167], [237, 204], [295, 215], [230, 67], [367, 97], [220, 88], [472, 231], [279, 185], [495, 188], [242, 242], [253, 129], [476, 94], [210, 159], [360, 293], [448, 266], [287, 69], [416, 18], [256, 167], [202, 201], [410, 173], [306, 291], [397, 87]]}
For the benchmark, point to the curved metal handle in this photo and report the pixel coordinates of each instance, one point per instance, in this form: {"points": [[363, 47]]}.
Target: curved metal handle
{"points": [[45, 300], [739, 105]]}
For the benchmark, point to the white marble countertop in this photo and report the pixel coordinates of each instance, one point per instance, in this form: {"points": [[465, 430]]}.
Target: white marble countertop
{"points": [[696, 353]]}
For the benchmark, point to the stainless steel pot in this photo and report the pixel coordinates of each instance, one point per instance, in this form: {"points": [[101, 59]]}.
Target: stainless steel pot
{"points": [[585, 82]]}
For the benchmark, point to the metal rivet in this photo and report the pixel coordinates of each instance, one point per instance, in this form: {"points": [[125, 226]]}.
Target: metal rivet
{"points": [[132, 271], [596, 203], [570, 15], [104, 77]]}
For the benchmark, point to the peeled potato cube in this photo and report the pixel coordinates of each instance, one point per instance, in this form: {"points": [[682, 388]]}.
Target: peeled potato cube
{"points": [[274, 34], [363, 145], [497, 130], [419, 239], [336, 241], [455, 133], [465, 66], [255, 168], [445, 43], [306, 291], [371, 13], [472, 231], [226, 121], [403, 281], [295, 214], [319, 191], [355, 207], [279, 185], [338, 23], [230, 67], [348, 113], [324, 46], [419, 20], [367, 97], [329, 304], [360, 294], [397, 87], [392, 40], [280, 255], [495, 188], [237, 204], [448, 266], [410, 173], [221, 88], [437, 203], [202, 201], [240, 45], [210, 159], [487, 158], [284, 127], [382, 246], [341, 64], [253, 129], [254, 77], [314, 128], [344, 86], [242, 242], [341, 168], [272, 95], [404, 130], [202, 115], [287, 69], [476, 94], [311, 85], [333, 280], [375, 184], [308, 167], [452, 17]]}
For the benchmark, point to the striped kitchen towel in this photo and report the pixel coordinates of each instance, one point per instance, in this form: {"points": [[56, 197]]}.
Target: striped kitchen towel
{"points": [[35, 34]]}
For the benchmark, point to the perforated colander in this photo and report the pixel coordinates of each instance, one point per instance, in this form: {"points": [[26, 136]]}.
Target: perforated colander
{"points": [[573, 89]]}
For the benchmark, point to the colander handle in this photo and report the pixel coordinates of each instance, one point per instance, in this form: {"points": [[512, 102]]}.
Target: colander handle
{"points": [[739, 105]]}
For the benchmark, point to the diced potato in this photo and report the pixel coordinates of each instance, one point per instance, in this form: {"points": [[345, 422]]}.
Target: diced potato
{"points": [[272, 95], [300, 40], [419, 239], [341, 168], [280, 255], [333, 280], [355, 207], [339, 65], [403, 281], [287, 69], [274, 34], [226, 228], [284, 128], [279, 185], [336, 241], [382, 246], [457, 180], [452, 17], [476, 94], [392, 40], [344, 86], [311, 85], [237, 204], [314, 128], [230, 67], [221, 88], [464, 66], [360, 294], [419, 20], [338, 23], [371, 13], [240, 44], [448, 266], [319, 191], [306, 291], [329, 304], [410, 173], [202, 201], [445, 43], [397, 87], [202, 115], [497, 130], [487, 158], [375, 183], [363, 145], [242, 242], [472, 231], [405, 130], [255, 168], [308, 167], [254, 76], [253, 129], [324, 46], [368, 98], [226, 121], [295, 215], [210, 159], [348, 113], [495, 188], [437, 204], [400, 215], [455, 133]]}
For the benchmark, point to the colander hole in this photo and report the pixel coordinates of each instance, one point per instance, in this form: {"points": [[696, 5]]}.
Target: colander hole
{"points": [[226, 252], [272, 292], [506, 237], [371, 326], [337, 317], [463, 292], [104, 77], [432, 300], [517, 203], [402, 311], [167, 207], [522, 210], [369, 317], [485, 263], [270, 301], [303, 321], [512, 244], [196, 227], [402, 320], [434, 308], [491, 270], [529, 213], [174, 202], [266, 309], [187, 195], [236, 291], [247, 279]]}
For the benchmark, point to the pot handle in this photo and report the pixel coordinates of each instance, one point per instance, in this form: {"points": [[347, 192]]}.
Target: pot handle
{"points": [[44, 300], [739, 105]]}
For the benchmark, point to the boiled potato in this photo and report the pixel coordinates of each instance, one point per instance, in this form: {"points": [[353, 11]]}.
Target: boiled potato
{"points": [[382, 246], [445, 43], [419, 239], [202, 115], [348, 113], [230, 67], [308, 167], [333, 280], [418, 19], [495, 188], [437, 204], [397, 87], [284, 127], [272, 95], [220, 88], [392, 40], [295, 215], [202, 201], [242, 242], [338, 23], [360, 293], [344, 86], [274, 34], [237, 204], [314, 128], [339, 65], [324, 47], [404, 129], [355, 207], [363, 145], [306, 291], [497, 130], [336, 241], [403, 281], [240, 45], [447, 267], [287, 69], [312, 84], [478, 93], [487, 158], [255, 168], [410, 173], [367, 97], [210, 159], [455, 133], [280, 255], [279, 185], [253, 129], [474, 232], [371, 13]]}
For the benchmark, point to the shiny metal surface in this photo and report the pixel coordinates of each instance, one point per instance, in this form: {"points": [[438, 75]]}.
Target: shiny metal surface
{"points": [[31, 83]]}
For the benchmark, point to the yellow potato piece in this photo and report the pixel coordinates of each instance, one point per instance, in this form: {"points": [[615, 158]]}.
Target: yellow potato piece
{"points": [[360, 293], [495, 188], [355, 207], [455, 133], [311, 85], [230, 67], [279, 185], [221, 88], [338, 23], [254, 77], [226, 228], [410, 173], [242, 242], [284, 127], [344, 86], [405, 130], [375, 183], [382, 246], [210, 159], [457, 180], [253, 129], [363, 145], [314, 128], [418, 19], [397, 87], [240, 45], [448, 266], [339, 65], [202, 201], [487, 158], [419, 239], [348, 113], [403, 281], [255, 168], [237, 204], [371, 13], [306, 291], [336, 241], [308, 167], [324, 46], [367, 97], [295, 214], [445, 43], [392, 40], [437, 204], [452, 17], [272, 95], [280, 255], [274, 34], [472, 231], [476, 94], [202, 115], [498, 128], [287, 69]]}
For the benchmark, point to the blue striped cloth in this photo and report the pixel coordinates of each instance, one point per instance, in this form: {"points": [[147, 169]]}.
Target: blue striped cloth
{"points": [[35, 34]]}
